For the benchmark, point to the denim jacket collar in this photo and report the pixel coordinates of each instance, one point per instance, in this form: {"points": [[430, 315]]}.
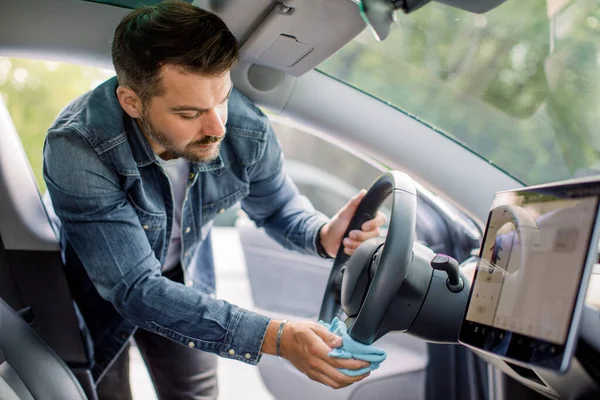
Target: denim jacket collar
{"points": [[142, 152]]}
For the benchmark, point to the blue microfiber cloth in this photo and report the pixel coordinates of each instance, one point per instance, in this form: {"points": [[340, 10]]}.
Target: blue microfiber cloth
{"points": [[353, 349]]}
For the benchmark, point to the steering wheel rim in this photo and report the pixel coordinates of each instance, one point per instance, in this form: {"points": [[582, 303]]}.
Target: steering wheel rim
{"points": [[394, 260]]}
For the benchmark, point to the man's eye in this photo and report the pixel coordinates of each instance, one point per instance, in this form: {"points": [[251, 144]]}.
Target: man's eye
{"points": [[189, 116]]}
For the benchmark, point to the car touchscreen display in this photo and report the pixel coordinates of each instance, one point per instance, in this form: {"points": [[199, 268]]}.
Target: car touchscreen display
{"points": [[529, 276]]}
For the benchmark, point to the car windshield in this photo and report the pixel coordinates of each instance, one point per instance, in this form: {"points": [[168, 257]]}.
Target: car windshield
{"points": [[520, 85]]}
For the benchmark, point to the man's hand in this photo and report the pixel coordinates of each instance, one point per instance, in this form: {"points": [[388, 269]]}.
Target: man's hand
{"points": [[306, 345], [332, 232]]}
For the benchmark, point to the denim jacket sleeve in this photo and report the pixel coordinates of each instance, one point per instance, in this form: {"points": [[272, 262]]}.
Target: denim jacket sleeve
{"points": [[275, 203], [106, 234]]}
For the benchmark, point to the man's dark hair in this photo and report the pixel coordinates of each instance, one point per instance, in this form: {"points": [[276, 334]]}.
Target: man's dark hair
{"points": [[171, 32]]}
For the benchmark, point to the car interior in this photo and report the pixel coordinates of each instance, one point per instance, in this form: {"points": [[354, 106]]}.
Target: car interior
{"points": [[455, 221]]}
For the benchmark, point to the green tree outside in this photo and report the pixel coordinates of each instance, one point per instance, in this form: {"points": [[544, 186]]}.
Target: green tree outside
{"points": [[35, 92], [517, 87]]}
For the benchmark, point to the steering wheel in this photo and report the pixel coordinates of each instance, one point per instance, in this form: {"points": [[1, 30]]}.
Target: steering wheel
{"points": [[394, 261]]}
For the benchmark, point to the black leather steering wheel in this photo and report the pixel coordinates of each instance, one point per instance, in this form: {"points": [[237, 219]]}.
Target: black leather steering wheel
{"points": [[393, 263]]}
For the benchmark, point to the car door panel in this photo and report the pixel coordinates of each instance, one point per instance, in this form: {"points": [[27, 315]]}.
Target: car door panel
{"points": [[282, 281]]}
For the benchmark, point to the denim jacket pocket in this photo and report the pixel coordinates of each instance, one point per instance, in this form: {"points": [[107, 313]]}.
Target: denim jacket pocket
{"points": [[210, 210], [153, 224]]}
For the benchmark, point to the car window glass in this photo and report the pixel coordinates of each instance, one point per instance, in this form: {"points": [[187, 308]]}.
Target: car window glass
{"points": [[328, 172], [35, 92], [519, 85]]}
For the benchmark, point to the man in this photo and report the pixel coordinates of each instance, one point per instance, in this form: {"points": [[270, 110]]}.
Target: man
{"points": [[139, 167]]}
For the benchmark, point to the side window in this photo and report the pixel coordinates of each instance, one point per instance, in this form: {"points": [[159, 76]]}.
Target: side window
{"points": [[329, 173], [326, 172], [34, 92]]}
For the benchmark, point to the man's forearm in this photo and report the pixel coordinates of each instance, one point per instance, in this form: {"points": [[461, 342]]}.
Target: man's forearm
{"points": [[295, 227]]}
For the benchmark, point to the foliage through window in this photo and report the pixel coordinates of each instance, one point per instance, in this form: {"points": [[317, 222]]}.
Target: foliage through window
{"points": [[35, 92], [519, 85]]}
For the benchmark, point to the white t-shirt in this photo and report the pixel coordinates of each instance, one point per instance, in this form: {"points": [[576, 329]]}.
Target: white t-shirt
{"points": [[178, 170]]}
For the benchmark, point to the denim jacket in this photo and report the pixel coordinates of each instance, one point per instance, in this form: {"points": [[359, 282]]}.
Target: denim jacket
{"points": [[115, 205]]}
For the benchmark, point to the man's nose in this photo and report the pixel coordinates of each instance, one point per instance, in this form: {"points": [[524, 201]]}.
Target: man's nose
{"points": [[212, 124]]}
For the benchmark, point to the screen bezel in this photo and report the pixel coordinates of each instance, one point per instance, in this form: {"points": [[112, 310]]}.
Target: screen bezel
{"points": [[523, 349]]}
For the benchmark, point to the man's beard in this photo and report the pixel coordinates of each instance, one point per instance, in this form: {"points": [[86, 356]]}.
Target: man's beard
{"points": [[190, 152]]}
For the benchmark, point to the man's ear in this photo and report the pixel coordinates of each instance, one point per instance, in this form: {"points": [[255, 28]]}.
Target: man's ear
{"points": [[130, 102]]}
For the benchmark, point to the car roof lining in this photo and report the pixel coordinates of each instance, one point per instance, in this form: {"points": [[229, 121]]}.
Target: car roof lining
{"points": [[291, 41]]}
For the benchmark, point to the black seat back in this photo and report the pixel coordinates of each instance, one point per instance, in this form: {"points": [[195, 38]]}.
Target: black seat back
{"points": [[29, 369]]}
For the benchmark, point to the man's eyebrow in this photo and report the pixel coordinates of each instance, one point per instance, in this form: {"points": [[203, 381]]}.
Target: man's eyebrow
{"points": [[196, 109]]}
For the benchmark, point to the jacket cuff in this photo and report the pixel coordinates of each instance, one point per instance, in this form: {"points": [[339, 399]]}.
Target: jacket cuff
{"points": [[312, 237], [245, 336], [319, 246]]}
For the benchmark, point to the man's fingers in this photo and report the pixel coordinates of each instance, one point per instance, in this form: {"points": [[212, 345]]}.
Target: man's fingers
{"points": [[339, 377], [348, 363], [356, 238], [347, 212], [328, 340], [358, 198], [321, 367], [375, 223], [380, 219], [321, 364], [351, 244], [361, 236]]}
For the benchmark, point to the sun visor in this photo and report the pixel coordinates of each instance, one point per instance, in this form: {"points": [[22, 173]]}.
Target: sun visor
{"points": [[285, 51], [297, 36]]}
